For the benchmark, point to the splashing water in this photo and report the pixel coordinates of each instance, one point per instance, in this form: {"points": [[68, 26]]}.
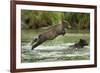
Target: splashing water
{"points": [[53, 53]]}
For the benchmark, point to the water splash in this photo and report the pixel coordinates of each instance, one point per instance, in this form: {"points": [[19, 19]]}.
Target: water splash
{"points": [[27, 46], [53, 53]]}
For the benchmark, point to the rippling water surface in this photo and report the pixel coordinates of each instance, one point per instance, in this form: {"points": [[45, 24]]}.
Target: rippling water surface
{"points": [[60, 52]]}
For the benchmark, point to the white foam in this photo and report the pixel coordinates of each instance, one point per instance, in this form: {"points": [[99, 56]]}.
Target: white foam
{"points": [[54, 47]]}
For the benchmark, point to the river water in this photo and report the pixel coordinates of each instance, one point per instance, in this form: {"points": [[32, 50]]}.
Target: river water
{"points": [[60, 52]]}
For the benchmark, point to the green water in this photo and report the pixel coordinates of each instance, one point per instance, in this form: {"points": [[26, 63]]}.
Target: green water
{"points": [[49, 50]]}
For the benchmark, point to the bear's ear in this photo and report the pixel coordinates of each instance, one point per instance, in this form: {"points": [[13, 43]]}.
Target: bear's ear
{"points": [[81, 40]]}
